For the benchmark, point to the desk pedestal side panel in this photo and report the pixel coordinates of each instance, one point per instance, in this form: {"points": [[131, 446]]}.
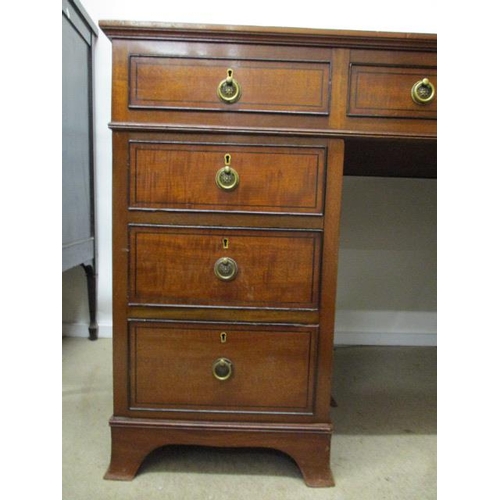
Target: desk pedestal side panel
{"points": [[223, 319]]}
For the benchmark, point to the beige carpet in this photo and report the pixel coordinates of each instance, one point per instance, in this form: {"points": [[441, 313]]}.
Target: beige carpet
{"points": [[384, 446]]}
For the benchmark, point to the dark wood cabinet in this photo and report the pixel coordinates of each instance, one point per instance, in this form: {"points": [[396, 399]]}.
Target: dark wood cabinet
{"points": [[229, 146]]}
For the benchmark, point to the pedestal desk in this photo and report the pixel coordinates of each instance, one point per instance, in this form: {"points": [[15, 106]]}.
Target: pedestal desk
{"points": [[229, 148]]}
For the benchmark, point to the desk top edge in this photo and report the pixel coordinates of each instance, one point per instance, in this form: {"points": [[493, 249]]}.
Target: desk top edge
{"points": [[270, 35]]}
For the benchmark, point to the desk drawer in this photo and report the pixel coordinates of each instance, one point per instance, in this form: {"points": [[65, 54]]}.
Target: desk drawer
{"points": [[221, 367], [385, 91], [224, 267], [196, 83], [266, 179]]}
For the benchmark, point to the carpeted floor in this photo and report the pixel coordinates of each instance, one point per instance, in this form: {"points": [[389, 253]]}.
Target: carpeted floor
{"points": [[384, 445]]}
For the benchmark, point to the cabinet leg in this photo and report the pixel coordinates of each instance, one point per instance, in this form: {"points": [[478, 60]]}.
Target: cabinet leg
{"points": [[128, 451], [312, 455], [92, 296]]}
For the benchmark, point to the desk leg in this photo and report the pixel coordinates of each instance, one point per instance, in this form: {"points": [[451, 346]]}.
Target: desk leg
{"points": [[92, 295]]}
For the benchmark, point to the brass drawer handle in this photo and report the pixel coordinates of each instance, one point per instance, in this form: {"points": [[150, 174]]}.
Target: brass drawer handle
{"points": [[423, 92], [229, 89], [226, 269], [227, 178], [222, 368]]}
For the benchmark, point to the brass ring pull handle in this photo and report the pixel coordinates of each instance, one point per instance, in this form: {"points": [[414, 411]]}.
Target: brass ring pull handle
{"points": [[227, 178], [423, 92], [222, 368], [226, 269], [229, 89]]}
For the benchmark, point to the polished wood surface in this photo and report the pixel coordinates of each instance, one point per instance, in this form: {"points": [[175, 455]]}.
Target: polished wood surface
{"points": [[272, 368], [133, 439], [267, 86], [280, 179], [176, 266], [329, 52], [382, 91], [296, 37], [261, 103], [297, 123]]}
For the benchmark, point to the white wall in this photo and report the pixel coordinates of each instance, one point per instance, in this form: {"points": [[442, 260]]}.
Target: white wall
{"points": [[387, 265], [387, 277]]}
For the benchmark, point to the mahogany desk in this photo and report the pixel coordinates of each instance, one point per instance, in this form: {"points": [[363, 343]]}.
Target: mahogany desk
{"points": [[229, 148]]}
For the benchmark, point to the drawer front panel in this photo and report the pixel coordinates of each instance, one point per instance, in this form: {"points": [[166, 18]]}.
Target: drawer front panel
{"points": [[172, 367], [276, 86], [183, 177], [385, 92], [176, 266]]}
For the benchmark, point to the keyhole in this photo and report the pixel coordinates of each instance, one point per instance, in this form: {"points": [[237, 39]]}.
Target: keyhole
{"points": [[225, 243], [223, 337]]}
